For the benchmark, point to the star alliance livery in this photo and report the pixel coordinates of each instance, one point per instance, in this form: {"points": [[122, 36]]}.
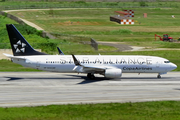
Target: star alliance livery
{"points": [[110, 66]]}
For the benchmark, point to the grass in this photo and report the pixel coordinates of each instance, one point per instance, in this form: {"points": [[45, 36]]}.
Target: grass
{"points": [[12, 4], [160, 110], [78, 25], [21, 4], [95, 23], [8, 66]]}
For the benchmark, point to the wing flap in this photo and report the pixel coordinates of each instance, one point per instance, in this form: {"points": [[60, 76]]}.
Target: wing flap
{"points": [[97, 68]]}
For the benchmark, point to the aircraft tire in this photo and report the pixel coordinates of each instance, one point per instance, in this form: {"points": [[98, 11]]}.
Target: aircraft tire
{"points": [[91, 76], [159, 76]]}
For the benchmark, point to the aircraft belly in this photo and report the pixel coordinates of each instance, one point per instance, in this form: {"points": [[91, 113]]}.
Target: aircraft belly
{"points": [[21, 62], [57, 68], [65, 68], [162, 69]]}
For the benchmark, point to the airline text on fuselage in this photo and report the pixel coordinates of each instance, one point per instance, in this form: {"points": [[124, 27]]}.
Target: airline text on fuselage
{"points": [[139, 60]]}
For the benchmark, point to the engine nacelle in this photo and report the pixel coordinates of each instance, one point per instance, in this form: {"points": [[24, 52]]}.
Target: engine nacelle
{"points": [[113, 73]]}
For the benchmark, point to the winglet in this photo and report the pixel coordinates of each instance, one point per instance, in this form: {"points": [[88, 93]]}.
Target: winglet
{"points": [[60, 52], [76, 62]]}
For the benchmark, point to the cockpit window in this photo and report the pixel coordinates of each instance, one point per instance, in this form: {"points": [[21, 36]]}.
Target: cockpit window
{"points": [[166, 61]]}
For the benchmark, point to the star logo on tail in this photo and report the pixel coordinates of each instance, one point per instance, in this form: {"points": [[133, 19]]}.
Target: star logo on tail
{"points": [[19, 47]]}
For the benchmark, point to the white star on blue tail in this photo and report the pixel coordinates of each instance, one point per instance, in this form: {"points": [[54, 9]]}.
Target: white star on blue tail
{"points": [[19, 47]]}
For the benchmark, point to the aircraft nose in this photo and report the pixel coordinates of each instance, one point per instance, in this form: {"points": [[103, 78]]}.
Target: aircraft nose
{"points": [[173, 66]]}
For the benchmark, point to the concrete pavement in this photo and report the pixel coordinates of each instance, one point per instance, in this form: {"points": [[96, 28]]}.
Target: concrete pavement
{"points": [[43, 88]]}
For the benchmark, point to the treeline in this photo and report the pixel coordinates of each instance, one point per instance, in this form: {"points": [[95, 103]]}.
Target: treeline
{"points": [[46, 4]]}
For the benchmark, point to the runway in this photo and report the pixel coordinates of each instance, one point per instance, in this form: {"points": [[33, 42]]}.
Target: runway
{"points": [[43, 88]]}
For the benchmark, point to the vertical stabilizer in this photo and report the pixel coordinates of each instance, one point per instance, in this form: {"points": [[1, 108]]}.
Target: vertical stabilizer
{"points": [[19, 45]]}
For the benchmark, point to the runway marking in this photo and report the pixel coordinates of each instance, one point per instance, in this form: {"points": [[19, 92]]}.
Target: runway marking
{"points": [[150, 82]]}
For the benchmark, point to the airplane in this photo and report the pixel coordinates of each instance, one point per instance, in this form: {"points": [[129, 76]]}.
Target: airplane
{"points": [[110, 66]]}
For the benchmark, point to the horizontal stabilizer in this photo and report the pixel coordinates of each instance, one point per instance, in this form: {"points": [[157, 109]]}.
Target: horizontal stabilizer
{"points": [[15, 57]]}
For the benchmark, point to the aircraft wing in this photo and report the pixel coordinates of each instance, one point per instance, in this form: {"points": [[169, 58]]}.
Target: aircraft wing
{"points": [[98, 67], [94, 69], [89, 68]]}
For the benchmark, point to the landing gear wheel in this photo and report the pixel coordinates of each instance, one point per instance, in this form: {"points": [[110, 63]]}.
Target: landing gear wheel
{"points": [[159, 76], [91, 76]]}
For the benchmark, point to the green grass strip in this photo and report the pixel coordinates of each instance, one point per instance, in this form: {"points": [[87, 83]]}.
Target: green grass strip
{"points": [[160, 110]]}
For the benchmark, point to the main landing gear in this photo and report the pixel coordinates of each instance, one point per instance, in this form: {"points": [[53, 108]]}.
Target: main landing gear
{"points": [[158, 76], [91, 76]]}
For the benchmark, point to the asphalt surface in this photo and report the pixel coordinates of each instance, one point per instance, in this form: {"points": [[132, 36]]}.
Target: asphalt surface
{"points": [[43, 88]]}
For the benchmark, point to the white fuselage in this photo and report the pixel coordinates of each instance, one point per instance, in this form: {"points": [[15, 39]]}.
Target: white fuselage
{"points": [[127, 63], [111, 66]]}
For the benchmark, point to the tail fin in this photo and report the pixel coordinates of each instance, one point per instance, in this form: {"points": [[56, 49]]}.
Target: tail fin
{"points": [[19, 45]]}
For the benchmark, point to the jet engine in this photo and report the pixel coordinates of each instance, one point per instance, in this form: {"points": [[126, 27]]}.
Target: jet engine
{"points": [[113, 73]]}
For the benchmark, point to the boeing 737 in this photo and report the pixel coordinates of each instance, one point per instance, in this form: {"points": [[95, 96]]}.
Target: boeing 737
{"points": [[110, 66]]}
